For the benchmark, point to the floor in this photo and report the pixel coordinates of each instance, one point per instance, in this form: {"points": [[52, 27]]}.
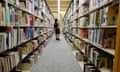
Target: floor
{"points": [[57, 56]]}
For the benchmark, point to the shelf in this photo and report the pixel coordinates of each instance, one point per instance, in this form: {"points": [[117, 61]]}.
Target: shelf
{"points": [[95, 27], [6, 28], [107, 50], [23, 26], [98, 8]]}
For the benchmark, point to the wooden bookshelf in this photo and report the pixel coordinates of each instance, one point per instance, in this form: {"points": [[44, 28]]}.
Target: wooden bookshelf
{"points": [[116, 66], [23, 31], [94, 27]]}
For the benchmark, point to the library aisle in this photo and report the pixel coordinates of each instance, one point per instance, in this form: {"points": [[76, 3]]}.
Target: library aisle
{"points": [[57, 57]]}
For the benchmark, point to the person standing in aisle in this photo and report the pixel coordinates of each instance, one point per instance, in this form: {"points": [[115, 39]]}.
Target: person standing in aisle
{"points": [[57, 29]]}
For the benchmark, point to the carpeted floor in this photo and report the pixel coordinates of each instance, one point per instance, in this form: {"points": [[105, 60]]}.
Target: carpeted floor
{"points": [[57, 57]]}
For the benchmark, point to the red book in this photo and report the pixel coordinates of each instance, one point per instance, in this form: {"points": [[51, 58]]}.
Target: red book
{"points": [[103, 34], [31, 20]]}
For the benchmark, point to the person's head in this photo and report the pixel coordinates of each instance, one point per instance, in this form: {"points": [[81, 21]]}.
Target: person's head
{"points": [[56, 20]]}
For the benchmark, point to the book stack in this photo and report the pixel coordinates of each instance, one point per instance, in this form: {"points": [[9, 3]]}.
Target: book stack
{"points": [[98, 58], [106, 16], [90, 68], [29, 61], [109, 39], [83, 33], [11, 16], [103, 37], [8, 61], [82, 10]]}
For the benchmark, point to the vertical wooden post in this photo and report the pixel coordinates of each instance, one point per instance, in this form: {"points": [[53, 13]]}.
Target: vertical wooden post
{"points": [[116, 67]]}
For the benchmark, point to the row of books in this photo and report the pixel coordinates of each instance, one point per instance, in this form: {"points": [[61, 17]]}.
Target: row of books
{"points": [[29, 61], [82, 10], [83, 21], [103, 37], [98, 58], [30, 5], [18, 36], [97, 3], [10, 16], [10, 59], [106, 16]]}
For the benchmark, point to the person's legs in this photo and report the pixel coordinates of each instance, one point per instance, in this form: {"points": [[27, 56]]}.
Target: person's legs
{"points": [[56, 36]]}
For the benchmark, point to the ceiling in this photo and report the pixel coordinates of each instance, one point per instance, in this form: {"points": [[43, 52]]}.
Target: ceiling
{"points": [[53, 5]]}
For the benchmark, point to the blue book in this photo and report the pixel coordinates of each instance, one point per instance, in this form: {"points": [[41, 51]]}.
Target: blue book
{"points": [[28, 32], [7, 15], [100, 36], [11, 16]]}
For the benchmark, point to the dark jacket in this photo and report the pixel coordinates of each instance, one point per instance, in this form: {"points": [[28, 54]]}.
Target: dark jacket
{"points": [[55, 25]]}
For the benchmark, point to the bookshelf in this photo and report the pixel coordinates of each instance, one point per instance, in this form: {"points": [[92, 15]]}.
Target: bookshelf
{"points": [[25, 26], [92, 27]]}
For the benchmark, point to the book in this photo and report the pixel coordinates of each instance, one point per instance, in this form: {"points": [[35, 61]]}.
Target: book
{"points": [[7, 16], [97, 20], [9, 60], [99, 38], [3, 38], [11, 14], [1, 66], [112, 15], [0, 13], [3, 16], [22, 4], [31, 20], [90, 68], [10, 40], [109, 38], [15, 42]]}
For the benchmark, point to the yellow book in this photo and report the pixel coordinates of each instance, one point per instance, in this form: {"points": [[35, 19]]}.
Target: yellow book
{"points": [[112, 15], [0, 13], [4, 16]]}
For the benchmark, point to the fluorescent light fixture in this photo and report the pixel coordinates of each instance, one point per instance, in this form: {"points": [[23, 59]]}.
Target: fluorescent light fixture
{"points": [[58, 9]]}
